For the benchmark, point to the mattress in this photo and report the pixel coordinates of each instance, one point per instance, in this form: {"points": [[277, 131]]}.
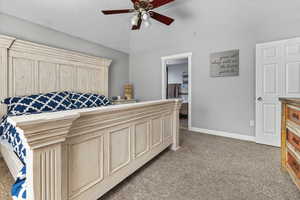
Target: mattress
{"points": [[13, 162]]}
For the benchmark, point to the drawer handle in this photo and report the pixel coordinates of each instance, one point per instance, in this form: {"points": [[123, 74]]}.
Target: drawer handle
{"points": [[296, 116]]}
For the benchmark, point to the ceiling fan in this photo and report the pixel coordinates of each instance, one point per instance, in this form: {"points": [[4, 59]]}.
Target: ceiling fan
{"points": [[143, 10]]}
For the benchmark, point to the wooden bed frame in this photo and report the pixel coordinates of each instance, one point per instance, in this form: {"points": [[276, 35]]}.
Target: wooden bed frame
{"points": [[13, 162], [80, 154]]}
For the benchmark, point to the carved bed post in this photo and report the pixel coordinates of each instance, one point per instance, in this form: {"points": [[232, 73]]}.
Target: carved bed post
{"points": [[106, 65], [175, 146], [44, 160], [5, 43]]}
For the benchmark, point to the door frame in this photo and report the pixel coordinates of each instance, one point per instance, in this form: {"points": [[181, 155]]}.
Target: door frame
{"points": [[164, 60]]}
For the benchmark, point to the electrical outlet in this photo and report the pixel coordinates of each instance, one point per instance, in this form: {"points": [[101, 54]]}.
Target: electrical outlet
{"points": [[252, 123]]}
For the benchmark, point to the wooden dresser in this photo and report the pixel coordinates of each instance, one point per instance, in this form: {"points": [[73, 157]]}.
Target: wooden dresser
{"points": [[290, 138]]}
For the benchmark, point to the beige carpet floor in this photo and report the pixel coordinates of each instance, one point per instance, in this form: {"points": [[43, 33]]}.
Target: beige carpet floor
{"points": [[205, 168]]}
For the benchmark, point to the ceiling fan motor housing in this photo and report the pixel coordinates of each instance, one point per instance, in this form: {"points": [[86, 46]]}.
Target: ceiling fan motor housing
{"points": [[143, 5], [143, 10]]}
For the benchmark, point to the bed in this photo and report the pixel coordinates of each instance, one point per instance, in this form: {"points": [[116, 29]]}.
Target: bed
{"points": [[79, 154]]}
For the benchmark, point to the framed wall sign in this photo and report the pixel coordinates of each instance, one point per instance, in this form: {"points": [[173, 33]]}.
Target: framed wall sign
{"points": [[224, 63]]}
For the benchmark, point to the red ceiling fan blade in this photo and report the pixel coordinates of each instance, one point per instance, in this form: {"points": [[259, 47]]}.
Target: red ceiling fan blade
{"points": [[138, 26], [161, 18], [111, 12], [159, 3]]}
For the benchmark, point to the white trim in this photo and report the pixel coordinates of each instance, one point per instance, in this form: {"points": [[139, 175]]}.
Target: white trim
{"points": [[164, 72], [224, 134], [177, 56]]}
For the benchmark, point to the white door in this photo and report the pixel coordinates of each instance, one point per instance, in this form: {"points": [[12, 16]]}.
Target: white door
{"points": [[277, 75]]}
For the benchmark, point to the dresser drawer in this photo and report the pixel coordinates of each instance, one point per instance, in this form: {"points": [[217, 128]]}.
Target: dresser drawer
{"points": [[294, 115], [294, 165], [293, 139]]}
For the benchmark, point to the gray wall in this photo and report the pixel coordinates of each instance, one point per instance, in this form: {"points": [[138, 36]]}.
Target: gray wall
{"points": [[175, 72], [203, 27], [32, 32]]}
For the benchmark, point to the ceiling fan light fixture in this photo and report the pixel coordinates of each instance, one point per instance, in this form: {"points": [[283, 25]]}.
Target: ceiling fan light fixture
{"points": [[134, 20], [145, 15], [147, 23]]}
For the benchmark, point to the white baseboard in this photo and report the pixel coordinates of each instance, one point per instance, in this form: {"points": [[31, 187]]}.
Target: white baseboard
{"points": [[224, 134]]}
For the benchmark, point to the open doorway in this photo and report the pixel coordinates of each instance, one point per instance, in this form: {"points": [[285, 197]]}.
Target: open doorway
{"points": [[176, 76]]}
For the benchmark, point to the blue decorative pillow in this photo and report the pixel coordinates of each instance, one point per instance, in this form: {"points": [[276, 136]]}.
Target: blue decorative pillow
{"points": [[9, 133], [88, 100], [49, 102]]}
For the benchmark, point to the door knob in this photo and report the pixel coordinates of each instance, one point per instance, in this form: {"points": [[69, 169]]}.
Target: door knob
{"points": [[259, 99]]}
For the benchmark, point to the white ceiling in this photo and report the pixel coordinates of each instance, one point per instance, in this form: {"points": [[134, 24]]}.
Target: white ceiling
{"points": [[80, 18]]}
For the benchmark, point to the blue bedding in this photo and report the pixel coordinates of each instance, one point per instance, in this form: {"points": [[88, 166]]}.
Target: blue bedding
{"points": [[14, 136]]}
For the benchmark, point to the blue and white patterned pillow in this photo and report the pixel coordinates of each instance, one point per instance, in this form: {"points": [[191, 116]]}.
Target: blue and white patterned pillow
{"points": [[49, 102], [9, 133], [88, 100]]}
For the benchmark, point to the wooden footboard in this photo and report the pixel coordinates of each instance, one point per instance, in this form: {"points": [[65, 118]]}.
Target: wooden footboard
{"points": [[82, 154]]}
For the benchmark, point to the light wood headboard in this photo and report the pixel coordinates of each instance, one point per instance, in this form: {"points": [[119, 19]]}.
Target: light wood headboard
{"points": [[29, 68]]}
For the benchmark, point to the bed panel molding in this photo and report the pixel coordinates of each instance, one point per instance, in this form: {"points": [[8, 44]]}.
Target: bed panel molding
{"points": [[79, 163], [6, 41], [119, 147], [141, 138], [156, 132], [31, 73], [58, 53], [167, 126]]}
